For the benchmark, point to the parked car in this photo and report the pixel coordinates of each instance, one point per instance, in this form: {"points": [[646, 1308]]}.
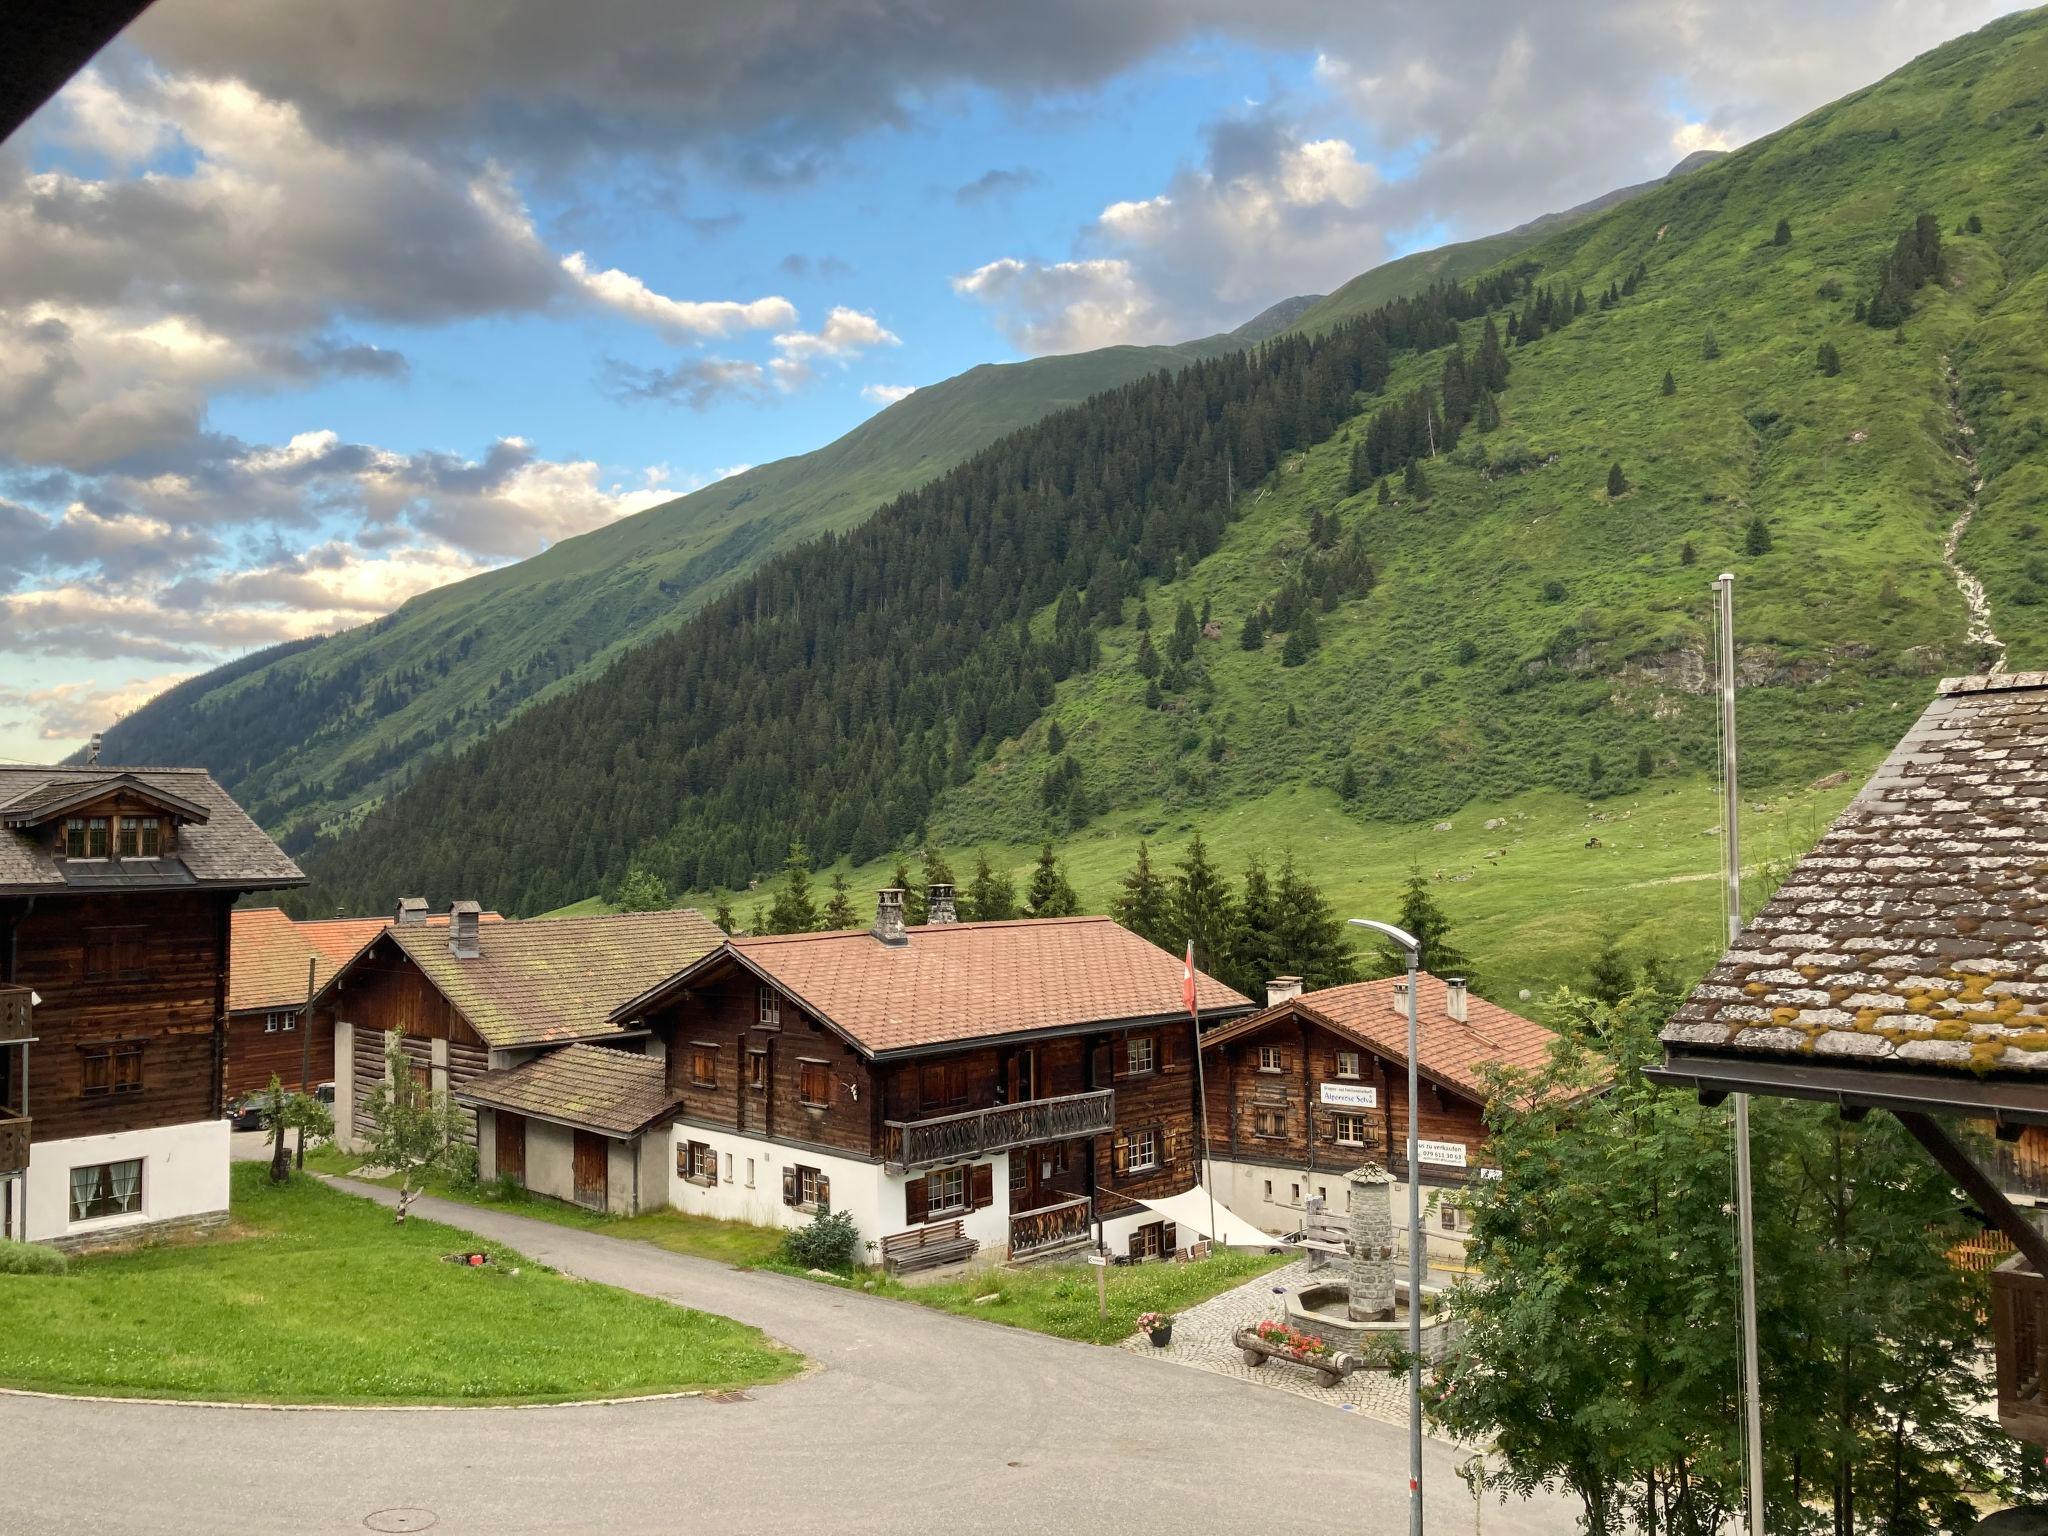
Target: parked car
{"points": [[246, 1113]]}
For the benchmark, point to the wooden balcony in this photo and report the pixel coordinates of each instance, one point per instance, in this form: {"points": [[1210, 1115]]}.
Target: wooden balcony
{"points": [[2019, 1324], [17, 1016], [908, 1144], [1065, 1225], [13, 1143]]}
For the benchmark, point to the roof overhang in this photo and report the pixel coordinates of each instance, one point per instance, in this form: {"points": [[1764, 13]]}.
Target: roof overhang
{"points": [[2006, 1100], [1052, 1032], [89, 791]]}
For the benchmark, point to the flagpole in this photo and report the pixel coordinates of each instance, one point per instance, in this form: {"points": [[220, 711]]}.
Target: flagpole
{"points": [[1202, 1099]]}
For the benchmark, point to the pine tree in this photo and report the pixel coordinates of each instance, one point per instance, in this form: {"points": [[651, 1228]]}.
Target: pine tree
{"points": [[722, 915], [917, 901], [1186, 631], [1425, 920], [1687, 555], [1154, 699], [1144, 904], [1829, 359], [1382, 495], [1293, 719], [991, 896], [1050, 894], [1782, 235], [1974, 225], [1756, 540], [1487, 416], [1646, 762], [1144, 619], [794, 910], [1255, 933], [1201, 907], [1670, 384], [1055, 739], [1253, 636], [1617, 483], [913, 897], [1412, 480], [1148, 659], [1311, 940], [1596, 770], [1295, 652], [1347, 783], [1710, 348], [839, 911]]}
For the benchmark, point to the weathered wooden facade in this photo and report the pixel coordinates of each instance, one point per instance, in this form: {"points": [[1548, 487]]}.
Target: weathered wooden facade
{"points": [[115, 892], [1033, 1082], [1316, 1084]]}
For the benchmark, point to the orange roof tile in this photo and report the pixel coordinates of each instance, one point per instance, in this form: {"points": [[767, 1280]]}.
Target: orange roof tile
{"points": [[267, 957]]}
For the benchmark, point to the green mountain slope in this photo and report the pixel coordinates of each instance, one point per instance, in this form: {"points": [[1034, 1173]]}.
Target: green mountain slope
{"points": [[1531, 632]]}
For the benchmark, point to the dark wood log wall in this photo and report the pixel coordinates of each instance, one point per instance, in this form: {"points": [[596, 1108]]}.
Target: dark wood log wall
{"points": [[139, 967], [1162, 1100], [253, 1055]]}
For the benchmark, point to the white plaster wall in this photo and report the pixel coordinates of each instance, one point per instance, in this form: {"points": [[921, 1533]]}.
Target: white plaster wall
{"points": [[857, 1187], [344, 1085], [486, 1145], [551, 1160], [620, 1190], [184, 1173]]}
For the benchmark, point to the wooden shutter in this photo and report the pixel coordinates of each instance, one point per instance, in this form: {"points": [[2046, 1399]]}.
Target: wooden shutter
{"points": [[824, 1192], [1169, 1048], [1120, 1155], [511, 1145], [917, 1198], [789, 1186], [981, 1181], [1138, 1244], [1169, 1238], [1102, 1064]]}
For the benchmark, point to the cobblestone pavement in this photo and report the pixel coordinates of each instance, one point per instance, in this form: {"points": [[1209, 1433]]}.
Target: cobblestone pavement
{"points": [[1201, 1340]]}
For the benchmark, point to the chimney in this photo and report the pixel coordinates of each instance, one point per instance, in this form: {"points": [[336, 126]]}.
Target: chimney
{"points": [[1282, 989], [1454, 997], [411, 909], [464, 942], [889, 916], [1398, 999], [92, 752], [938, 902]]}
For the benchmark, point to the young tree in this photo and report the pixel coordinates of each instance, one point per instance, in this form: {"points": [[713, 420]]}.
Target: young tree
{"points": [[1646, 762], [1383, 494], [1180, 645], [1412, 480], [1055, 739], [1143, 904], [1148, 658], [991, 896], [1670, 386], [1610, 977], [1617, 482], [1050, 894], [721, 914], [839, 911], [642, 891], [1347, 782], [1710, 348], [1253, 636], [918, 898], [1756, 539], [1425, 920], [1296, 651], [1687, 555], [413, 1130], [1782, 235], [1830, 361], [285, 1111], [794, 909], [1202, 908]]}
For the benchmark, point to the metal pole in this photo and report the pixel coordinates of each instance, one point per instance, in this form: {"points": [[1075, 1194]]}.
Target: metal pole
{"points": [[1414, 1272], [1745, 1212], [1208, 1168], [306, 1057]]}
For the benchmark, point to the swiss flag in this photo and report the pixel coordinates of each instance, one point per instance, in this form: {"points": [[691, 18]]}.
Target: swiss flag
{"points": [[1187, 980]]}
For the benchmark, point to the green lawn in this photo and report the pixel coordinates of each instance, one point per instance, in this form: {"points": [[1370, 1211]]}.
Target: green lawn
{"points": [[314, 1296], [738, 1243]]}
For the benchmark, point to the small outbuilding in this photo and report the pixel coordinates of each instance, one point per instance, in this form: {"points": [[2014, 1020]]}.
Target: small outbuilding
{"points": [[587, 1123]]}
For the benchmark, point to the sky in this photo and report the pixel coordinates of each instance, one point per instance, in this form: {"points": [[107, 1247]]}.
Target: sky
{"points": [[307, 309]]}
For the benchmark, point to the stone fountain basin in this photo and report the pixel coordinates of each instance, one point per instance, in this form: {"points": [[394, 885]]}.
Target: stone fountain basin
{"points": [[1320, 1309]]}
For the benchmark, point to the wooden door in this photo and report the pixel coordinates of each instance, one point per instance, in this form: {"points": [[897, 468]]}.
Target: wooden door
{"points": [[591, 1158], [511, 1145]]}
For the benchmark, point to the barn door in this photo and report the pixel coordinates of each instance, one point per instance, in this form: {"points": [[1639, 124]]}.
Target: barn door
{"points": [[511, 1150], [590, 1169]]}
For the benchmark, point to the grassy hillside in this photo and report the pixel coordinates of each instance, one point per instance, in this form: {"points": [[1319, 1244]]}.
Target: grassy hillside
{"points": [[1532, 642]]}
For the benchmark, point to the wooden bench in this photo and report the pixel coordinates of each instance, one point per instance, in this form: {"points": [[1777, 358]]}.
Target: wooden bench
{"points": [[927, 1247]]}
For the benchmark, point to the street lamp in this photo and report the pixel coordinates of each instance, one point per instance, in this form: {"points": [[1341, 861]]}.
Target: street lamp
{"points": [[1413, 947]]}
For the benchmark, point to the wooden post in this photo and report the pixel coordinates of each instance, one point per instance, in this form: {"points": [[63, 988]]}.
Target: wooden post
{"points": [[1102, 1282], [1975, 1183]]}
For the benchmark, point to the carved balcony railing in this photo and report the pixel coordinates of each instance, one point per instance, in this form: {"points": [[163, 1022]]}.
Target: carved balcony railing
{"points": [[1050, 1227], [17, 1016], [961, 1138], [13, 1143], [2019, 1325]]}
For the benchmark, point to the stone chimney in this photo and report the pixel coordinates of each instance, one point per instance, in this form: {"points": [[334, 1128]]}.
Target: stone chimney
{"points": [[1454, 997], [92, 751], [411, 909], [1282, 989], [465, 942], [889, 916], [1398, 998], [938, 901]]}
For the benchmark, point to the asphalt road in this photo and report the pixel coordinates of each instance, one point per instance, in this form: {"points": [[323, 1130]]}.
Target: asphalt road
{"points": [[913, 1421]]}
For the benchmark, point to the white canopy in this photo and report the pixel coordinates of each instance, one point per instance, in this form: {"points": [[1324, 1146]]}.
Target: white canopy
{"points": [[1192, 1210]]}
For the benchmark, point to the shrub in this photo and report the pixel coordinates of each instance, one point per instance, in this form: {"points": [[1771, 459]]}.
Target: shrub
{"points": [[1553, 591], [830, 1241], [30, 1259], [1831, 289]]}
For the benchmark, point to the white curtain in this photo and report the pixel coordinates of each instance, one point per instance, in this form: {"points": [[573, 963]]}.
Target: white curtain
{"points": [[127, 1179], [84, 1181]]}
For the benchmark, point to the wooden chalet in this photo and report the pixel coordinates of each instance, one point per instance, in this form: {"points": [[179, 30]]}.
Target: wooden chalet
{"points": [[115, 892], [471, 998], [1316, 1084], [1023, 1087], [1903, 967]]}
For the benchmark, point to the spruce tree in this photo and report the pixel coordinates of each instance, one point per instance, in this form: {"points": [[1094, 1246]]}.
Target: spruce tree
{"points": [[918, 900], [1425, 920], [1412, 480], [1756, 540], [1347, 783], [1144, 618], [1148, 659], [1782, 235], [839, 910], [1687, 555], [1143, 903], [1710, 348], [1255, 934], [991, 896], [1253, 636], [1670, 384], [1487, 416], [899, 879], [1382, 495], [1646, 762], [1295, 652], [1186, 631], [794, 910], [1202, 907], [1617, 482], [1312, 941], [1154, 699], [721, 914], [1055, 739], [1830, 361], [1050, 894]]}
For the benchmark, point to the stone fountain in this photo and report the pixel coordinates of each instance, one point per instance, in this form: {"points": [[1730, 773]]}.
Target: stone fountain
{"points": [[1367, 1313]]}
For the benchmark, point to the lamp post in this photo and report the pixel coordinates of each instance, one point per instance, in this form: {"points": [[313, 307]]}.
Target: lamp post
{"points": [[1413, 947]]}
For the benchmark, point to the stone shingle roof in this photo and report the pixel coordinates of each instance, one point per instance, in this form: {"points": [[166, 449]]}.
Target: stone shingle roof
{"points": [[547, 979], [1915, 935], [227, 850], [595, 1086], [969, 981], [1449, 1051], [268, 951]]}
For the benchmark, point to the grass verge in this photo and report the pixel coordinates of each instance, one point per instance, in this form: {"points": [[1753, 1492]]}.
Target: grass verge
{"points": [[313, 1296]]}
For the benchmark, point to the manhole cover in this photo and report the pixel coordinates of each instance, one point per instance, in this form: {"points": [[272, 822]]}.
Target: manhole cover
{"points": [[407, 1519], [727, 1397]]}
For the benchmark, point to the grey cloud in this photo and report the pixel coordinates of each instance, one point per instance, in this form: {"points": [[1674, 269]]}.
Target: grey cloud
{"points": [[995, 183], [696, 382]]}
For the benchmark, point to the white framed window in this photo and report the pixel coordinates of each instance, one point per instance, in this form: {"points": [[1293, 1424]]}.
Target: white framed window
{"points": [[1348, 1064], [771, 1007], [728, 1167], [1294, 1194], [813, 1188], [750, 1173], [1142, 1053], [1269, 1189], [106, 1189], [945, 1190], [280, 1023], [1351, 1130], [1144, 1150], [1271, 1060]]}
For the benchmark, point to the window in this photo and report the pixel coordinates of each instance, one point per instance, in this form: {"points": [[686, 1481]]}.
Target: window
{"points": [[142, 837], [1294, 1194], [1147, 1241], [750, 1173], [1270, 1059], [814, 1084], [1269, 1189], [106, 1070], [771, 1008], [280, 1023], [728, 1167], [1323, 1193], [703, 1064], [106, 1189], [1347, 1064], [1142, 1053], [85, 837], [945, 1190], [115, 953], [1269, 1122], [806, 1187], [697, 1162], [1350, 1130], [757, 1071], [1144, 1151], [1450, 1216]]}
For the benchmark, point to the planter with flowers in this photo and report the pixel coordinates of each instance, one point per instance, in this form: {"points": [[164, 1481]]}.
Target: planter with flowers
{"points": [[1273, 1340], [1158, 1326]]}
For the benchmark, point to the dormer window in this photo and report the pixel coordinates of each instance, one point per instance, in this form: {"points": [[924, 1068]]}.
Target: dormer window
{"points": [[771, 1007], [85, 837], [142, 837]]}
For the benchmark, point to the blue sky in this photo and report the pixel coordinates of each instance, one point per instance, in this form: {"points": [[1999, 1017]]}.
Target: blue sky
{"points": [[305, 311]]}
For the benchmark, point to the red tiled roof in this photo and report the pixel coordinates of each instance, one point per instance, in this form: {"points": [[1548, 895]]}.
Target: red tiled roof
{"points": [[969, 981], [1453, 1053], [268, 951]]}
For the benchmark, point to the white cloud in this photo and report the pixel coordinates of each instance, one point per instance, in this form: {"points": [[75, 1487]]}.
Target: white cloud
{"points": [[1067, 306], [67, 711], [887, 394], [1691, 138], [845, 334], [679, 318]]}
